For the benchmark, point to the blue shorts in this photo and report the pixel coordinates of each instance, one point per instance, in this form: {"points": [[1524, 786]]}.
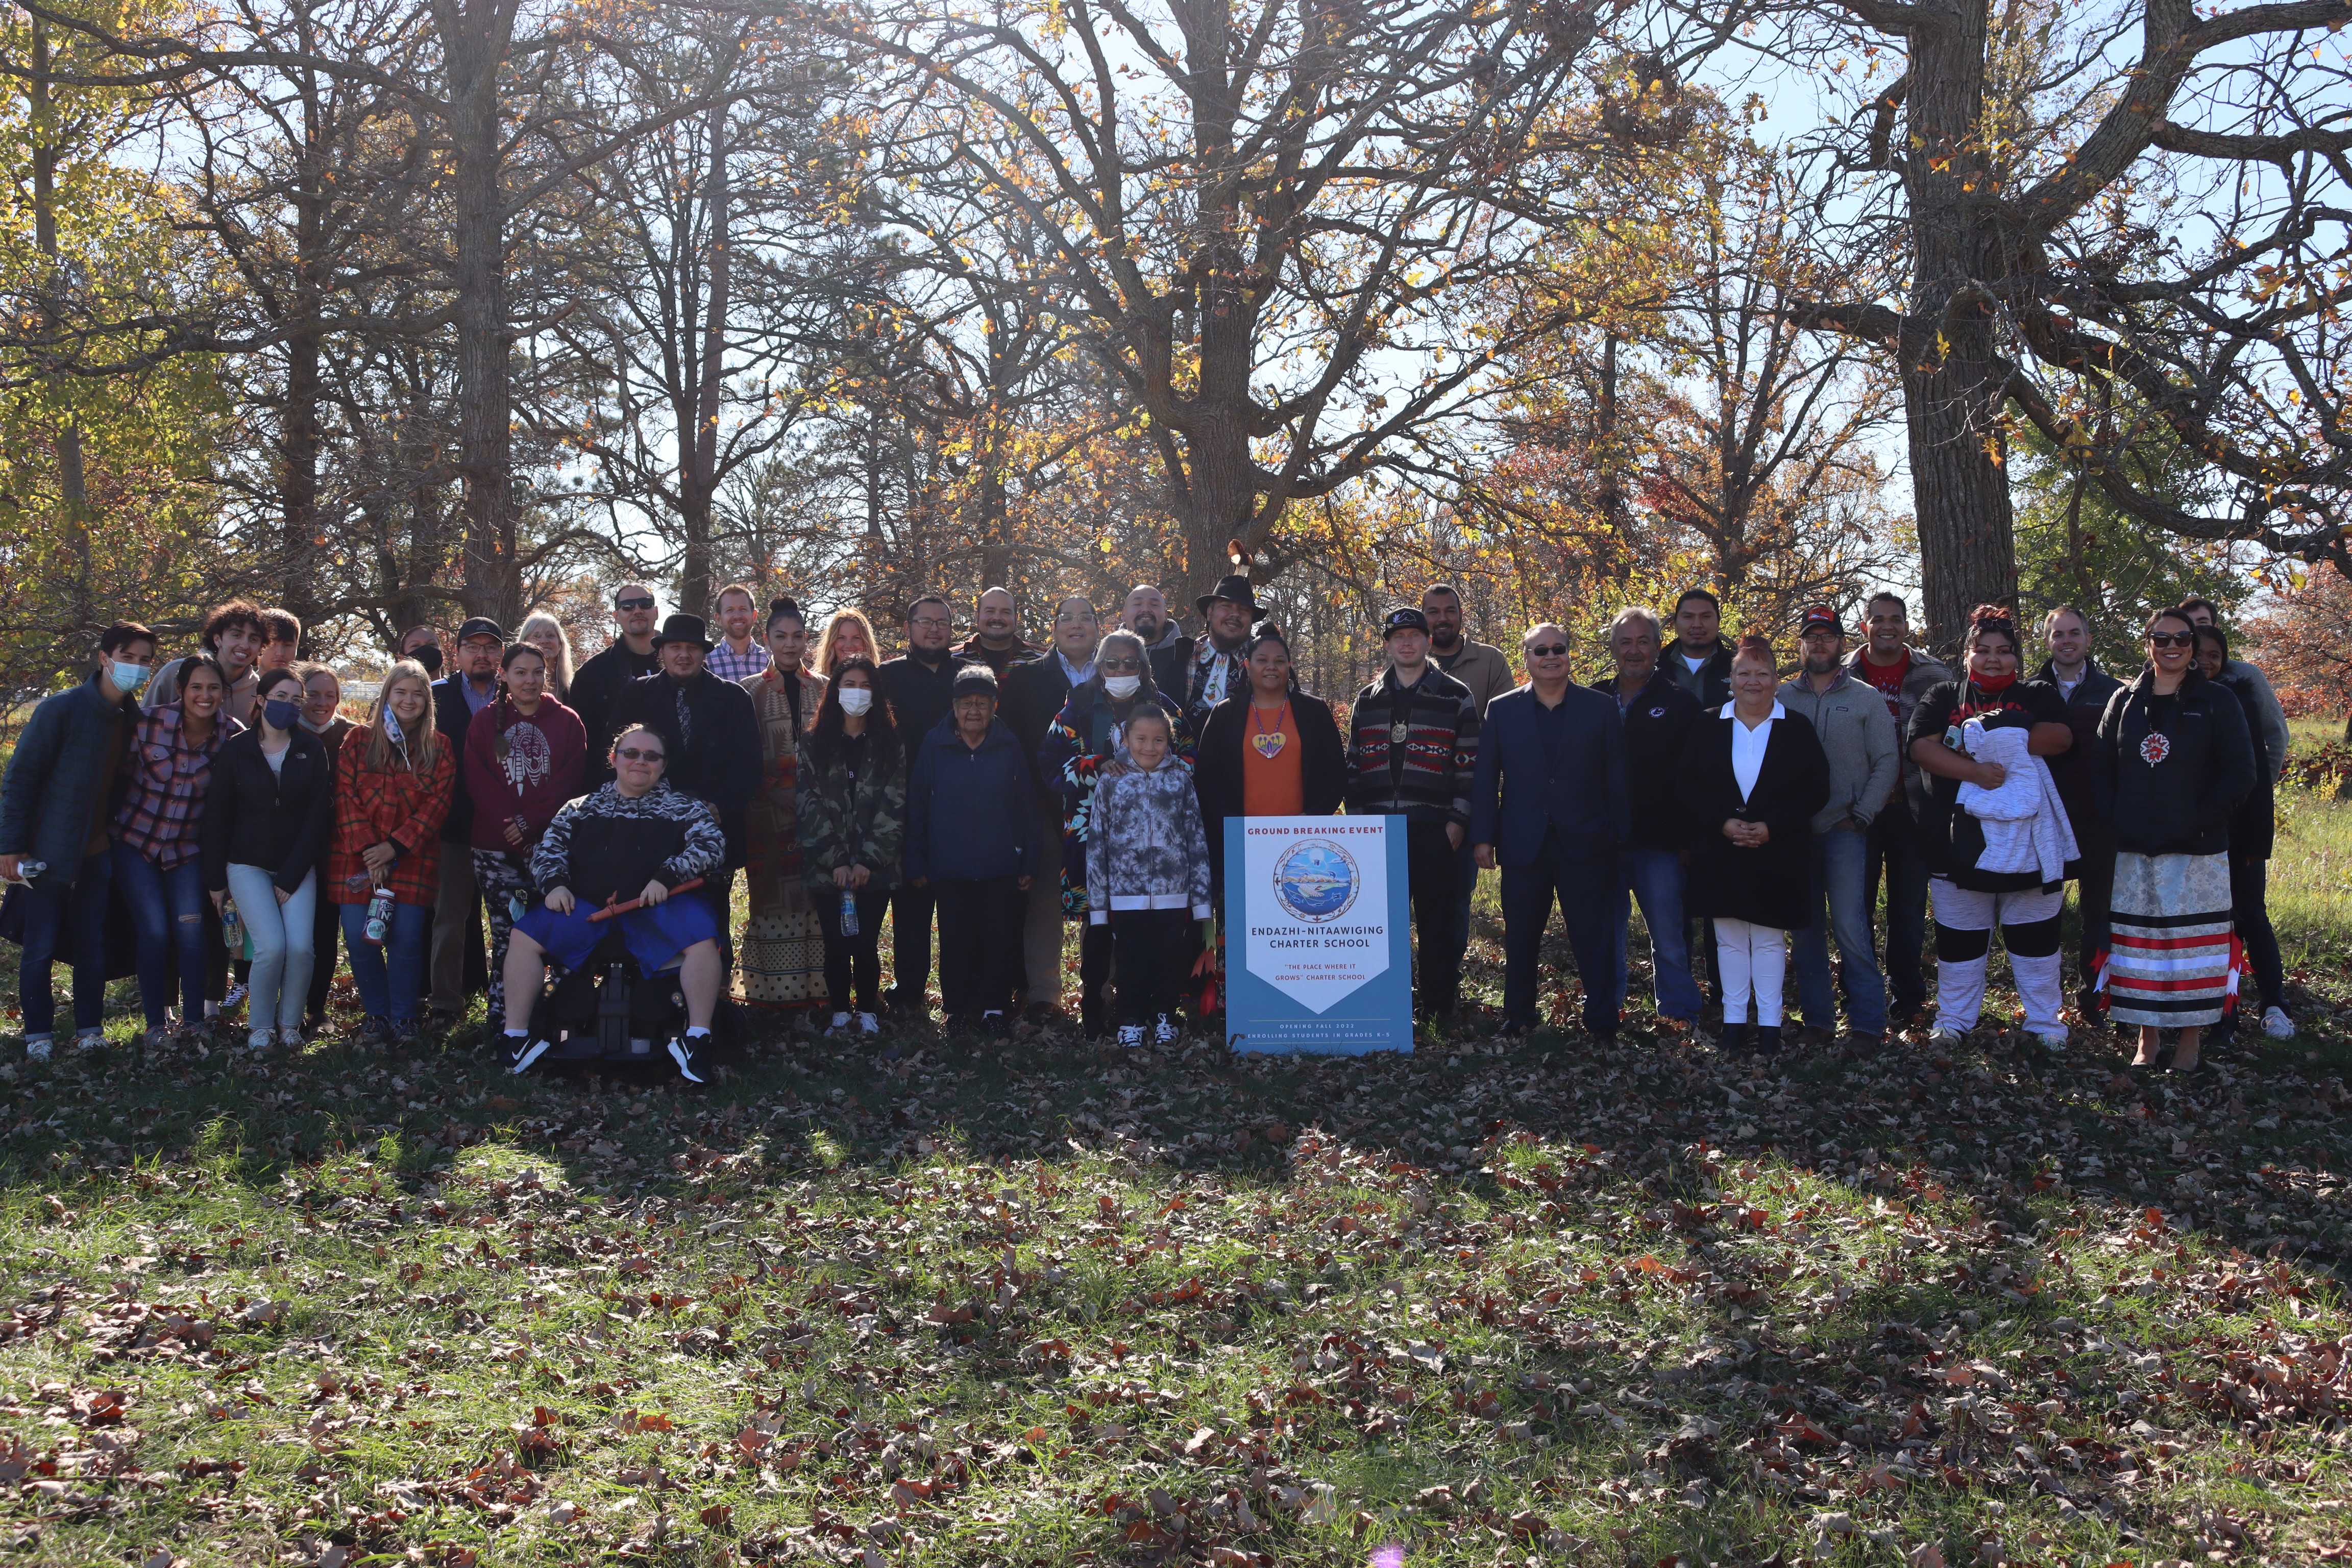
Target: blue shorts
{"points": [[654, 936]]}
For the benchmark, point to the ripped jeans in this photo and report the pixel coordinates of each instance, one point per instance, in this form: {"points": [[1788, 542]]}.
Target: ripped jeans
{"points": [[169, 911]]}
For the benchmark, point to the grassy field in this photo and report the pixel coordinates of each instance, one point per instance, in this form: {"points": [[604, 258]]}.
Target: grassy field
{"points": [[921, 1303]]}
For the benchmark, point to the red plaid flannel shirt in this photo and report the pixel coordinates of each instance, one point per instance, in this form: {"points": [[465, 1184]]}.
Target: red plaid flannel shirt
{"points": [[373, 805], [163, 784]]}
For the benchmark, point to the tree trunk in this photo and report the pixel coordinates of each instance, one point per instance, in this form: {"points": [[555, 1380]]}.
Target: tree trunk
{"points": [[699, 493], [72, 492], [493, 586], [1954, 389], [1217, 503]]}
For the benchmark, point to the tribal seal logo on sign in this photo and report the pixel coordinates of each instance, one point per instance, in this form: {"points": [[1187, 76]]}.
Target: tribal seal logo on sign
{"points": [[1317, 881]]}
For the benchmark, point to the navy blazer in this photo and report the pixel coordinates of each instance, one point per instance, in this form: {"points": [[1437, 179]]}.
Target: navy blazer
{"points": [[1515, 799]]}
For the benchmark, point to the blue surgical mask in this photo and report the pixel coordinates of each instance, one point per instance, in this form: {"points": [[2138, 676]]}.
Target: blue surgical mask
{"points": [[127, 677], [280, 714]]}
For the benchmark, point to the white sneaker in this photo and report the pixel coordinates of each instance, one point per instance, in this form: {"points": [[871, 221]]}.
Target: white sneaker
{"points": [[867, 1024], [90, 1040], [1940, 1036], [2277, 1024], [236, 994], [260, 1040], [1131, 1035], [38, 1047], [840, 1026]]}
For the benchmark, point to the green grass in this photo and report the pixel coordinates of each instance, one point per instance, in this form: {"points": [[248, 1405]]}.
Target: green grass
{"points": [[1042, 1305]]}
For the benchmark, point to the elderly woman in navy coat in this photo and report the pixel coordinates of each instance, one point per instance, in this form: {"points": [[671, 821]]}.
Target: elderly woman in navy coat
{"points": [[1549, 804]]}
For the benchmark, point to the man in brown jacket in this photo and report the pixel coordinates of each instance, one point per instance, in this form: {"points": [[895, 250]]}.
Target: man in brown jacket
{"points": [[1486, 669]]}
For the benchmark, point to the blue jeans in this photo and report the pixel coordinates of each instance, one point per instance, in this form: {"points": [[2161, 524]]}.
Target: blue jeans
{"points": [[169, 909], [74, 919], [1581, 888], [1841, 859], [280, 980], [390, 976], [1655, 877]]}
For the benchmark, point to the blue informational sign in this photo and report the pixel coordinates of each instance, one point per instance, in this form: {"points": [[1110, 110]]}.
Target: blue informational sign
{"points": [[1318, 945]]}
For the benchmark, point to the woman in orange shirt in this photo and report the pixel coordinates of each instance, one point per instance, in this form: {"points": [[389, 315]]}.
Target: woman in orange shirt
{"points": [[1269, 751]]}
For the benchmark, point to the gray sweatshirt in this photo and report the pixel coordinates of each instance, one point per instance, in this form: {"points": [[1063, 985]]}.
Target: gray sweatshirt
{"points": [[1858, 734]]}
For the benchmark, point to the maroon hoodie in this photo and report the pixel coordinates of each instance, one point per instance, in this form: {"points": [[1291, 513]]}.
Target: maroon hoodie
{"points": [[519, 767]]}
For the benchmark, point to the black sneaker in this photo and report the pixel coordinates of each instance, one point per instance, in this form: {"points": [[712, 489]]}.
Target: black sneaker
{"points": [[521, 1050], [688, 1052], [993, 1027]]}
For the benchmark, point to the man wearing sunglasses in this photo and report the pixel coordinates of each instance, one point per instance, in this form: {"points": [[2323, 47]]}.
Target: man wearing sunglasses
{"points": [[1549, 804], [598, 683]]}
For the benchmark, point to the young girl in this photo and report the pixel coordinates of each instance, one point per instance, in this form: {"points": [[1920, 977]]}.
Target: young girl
{"points": [[852, 790], [392, 790], [526, 755], [267, 809], [1147, 873]]}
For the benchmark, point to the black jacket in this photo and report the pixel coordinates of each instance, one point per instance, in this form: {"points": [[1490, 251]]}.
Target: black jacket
{"points": [[971, 813], [721, 763], [1171, 665], [276, 820], [1711, 685], [919, 696], [1771, 886], [595, 686], [1217, 762], [1657, 723], [2072, 770], [453, 717], [2168, 773], [56, 791], [2253, 826], [1028, 696]]}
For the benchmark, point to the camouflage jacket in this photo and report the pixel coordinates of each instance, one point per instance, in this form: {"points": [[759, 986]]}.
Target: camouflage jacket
{"points": [[842, 824]]}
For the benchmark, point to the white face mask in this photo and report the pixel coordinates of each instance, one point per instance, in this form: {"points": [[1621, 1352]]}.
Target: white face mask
{"points": [[856, 701], [1122, 686]]}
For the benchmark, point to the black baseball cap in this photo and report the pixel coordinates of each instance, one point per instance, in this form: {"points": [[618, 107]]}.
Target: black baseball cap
{"points": [[482, 627], [1403, 618], [970, 680]]}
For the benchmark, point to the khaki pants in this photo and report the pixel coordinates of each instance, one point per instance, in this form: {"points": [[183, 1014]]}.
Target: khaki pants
{"points": [[453, 927], [1041, 931]]}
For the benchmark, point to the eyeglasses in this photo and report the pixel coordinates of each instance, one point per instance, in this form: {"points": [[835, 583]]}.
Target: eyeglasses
{"points": [[2172, 639], [633, 604], [931, 623], [639, 754], [1120, 664], [1549, 650]]}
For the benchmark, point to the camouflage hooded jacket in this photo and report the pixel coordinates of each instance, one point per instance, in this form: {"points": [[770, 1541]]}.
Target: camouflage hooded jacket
{"points": [[845, 824]]}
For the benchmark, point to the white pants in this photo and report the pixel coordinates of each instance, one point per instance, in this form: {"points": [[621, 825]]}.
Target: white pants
{"points": [[1960, 980], [280, 981], [1750, 958]]}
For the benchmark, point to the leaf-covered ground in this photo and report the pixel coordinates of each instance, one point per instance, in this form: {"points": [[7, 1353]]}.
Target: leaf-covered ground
{"points": [[1043, 1304]]}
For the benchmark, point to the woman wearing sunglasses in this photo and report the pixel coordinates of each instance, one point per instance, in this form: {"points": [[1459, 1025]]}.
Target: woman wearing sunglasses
{"points": [[2174, 757]]}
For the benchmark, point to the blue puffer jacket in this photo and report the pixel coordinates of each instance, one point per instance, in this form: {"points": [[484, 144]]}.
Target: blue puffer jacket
{"points": [[970, 815], [53, 794]]}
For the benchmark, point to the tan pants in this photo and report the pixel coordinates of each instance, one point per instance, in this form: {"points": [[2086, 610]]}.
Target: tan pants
{"points": [[1042, 930]]}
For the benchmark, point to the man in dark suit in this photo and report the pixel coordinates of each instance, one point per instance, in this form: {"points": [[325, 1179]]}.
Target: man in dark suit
{"points": [[919, 685], [1034, 693], [1549, 804], [458, 968]]}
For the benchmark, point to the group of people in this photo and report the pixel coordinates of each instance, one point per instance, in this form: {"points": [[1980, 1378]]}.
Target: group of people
{"points": [[1004, 790]]}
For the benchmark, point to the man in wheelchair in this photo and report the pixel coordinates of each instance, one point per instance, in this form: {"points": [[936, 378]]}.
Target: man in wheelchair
{"points": [[629, 844]]}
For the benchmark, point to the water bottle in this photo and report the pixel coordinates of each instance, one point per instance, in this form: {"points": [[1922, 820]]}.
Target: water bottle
{"points": [[848, 912], [378, 915], [517, 905], [28, 870], [232, 928]]}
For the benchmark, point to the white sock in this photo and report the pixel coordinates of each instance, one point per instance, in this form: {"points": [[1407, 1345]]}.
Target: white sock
{"points": [[2041, 988], [694, 1029], [515, 1033], [1959, 992]]}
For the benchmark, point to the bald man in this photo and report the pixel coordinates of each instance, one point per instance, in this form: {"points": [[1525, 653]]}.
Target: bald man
{"points": [[1146, 615]]}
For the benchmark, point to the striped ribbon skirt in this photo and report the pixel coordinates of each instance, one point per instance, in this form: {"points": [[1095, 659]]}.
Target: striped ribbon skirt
{"points": [[2172, 958]]}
